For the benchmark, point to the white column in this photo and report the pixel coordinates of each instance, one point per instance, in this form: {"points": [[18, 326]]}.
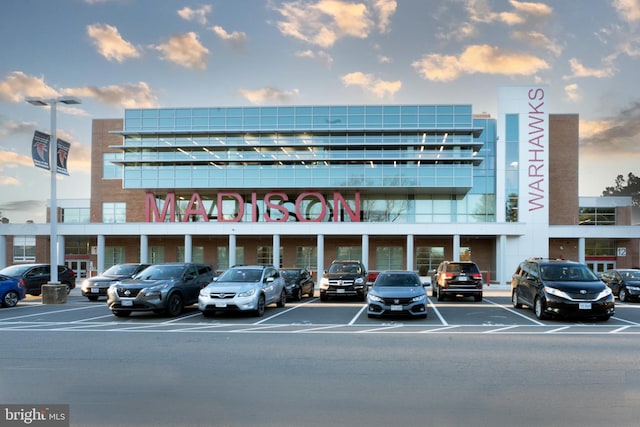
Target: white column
{"points": [[188, 242], [319, 257], [100, 266], [365, 251], [456, 247], [581, 250], [410, 256], [144, 249], [276, 250], [61, 251], [502, 270], [232, 250], [3, 251]]}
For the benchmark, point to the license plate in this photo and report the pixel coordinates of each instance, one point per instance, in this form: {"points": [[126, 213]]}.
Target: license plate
{"points": [[127, 303], [340, 291], [95, 290], [584, 306], [396, 308], [221, 304]]}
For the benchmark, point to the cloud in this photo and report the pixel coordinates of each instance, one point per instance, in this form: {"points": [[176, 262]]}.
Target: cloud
{"points": [[110, 43], [8, 158], [124, 96], [17, 86], [620, 133], [579, 70], [199, 15], [11, 127], [573, 92], [376, 87], [479, 11], [629, 10], [323, 22], [483, 59], [537, 39], [268, 94], [236, 39], [321, 56], [185, 50], [22, 205]]}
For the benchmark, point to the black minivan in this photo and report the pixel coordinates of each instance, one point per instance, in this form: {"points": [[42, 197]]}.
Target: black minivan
{"points": [[561, 288]]}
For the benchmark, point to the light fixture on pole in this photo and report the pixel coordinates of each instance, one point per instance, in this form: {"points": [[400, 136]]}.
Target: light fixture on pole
{"points": [[53, 167]]}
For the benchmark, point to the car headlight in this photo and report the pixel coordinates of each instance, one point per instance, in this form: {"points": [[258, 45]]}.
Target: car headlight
{"points": [[605, 293], [359, 281], [248, 293], [557, 292], [419, 298], [154, 291], [85, 284], [633, 288], [324, 283], [204, 292], [374, 297]]}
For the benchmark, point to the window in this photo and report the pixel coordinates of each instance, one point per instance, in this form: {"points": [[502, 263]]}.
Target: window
{"points": [[197, 254], [75, 215], [113, 255], [223, 257], [24, 249], [389, 258], [109, 169], [348, 253], [306, 257], [600, 247], [428, 258], [265, 256], [114, 212], [597, 216], [157, 254]]}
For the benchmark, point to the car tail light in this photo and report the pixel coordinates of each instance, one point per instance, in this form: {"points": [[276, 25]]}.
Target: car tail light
{"points": [[21, 283], [448, 276], [477, 276]]}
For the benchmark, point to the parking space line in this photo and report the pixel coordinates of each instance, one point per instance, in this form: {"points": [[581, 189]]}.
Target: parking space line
{"points": [[319, 328], [446, 328], [435, 309], [281, 312], [491, 331], [553, 331], [45, 313], [626, 321], [364, 307], [381, 328], [510, 310], [620, 329]]}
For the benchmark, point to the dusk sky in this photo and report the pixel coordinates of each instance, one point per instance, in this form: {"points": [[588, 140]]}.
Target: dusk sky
{"points": [[117, 54]]}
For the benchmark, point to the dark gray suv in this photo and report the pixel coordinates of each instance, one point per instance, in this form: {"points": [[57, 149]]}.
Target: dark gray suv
{"points": [[160, 288], [453, 278]]}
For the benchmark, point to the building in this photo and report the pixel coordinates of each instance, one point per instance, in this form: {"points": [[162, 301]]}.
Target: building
{"points": [[396, 186]]}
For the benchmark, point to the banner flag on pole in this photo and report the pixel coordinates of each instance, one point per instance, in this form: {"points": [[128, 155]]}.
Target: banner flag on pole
{"points": [[63, 156], [40, 150]]}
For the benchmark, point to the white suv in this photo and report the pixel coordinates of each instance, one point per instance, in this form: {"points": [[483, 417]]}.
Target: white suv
{"points": [[243, 288]]}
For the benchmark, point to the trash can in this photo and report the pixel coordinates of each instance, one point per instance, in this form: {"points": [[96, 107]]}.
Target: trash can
{"points": [[54, 293]]}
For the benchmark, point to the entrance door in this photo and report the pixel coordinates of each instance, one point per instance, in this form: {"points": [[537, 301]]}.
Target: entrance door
{"points": [[600, 266], [80, 266]]}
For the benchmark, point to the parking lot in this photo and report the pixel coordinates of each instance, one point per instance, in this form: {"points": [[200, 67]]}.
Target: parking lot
{"points": [[494, 315]]}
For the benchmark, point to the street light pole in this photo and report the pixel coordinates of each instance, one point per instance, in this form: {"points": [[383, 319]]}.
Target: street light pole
{"points": [[53, 167]]}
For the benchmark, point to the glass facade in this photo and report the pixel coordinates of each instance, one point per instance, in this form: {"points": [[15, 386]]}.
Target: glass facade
{"points": [[408, 163]]}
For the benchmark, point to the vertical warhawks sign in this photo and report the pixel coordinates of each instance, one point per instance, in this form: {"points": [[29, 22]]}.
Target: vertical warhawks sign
{"points": [[537, 152]]}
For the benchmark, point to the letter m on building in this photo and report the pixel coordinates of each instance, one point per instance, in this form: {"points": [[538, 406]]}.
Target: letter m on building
{"points": [[151, 211]]}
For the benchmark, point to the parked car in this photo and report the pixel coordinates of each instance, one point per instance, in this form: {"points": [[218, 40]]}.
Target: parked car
{"points": [[397, 293], [625, 283], [246, 288], [96, 286], [161, 288], [298, 282], [561, 288], [12, 290], [344, 278], [457, 278], [36, 275]]}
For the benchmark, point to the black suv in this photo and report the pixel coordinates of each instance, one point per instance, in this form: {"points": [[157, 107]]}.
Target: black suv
{"points": [[453, 278], [36, 275], [161, 288], [344, 278], [560, 287]]}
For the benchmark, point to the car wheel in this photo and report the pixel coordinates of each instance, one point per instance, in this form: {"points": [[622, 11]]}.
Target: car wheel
{"points": [[622, 296], [298, 294], [260, 306], [323, 297], [283, 299], [477, 297], [433, 290], [174, 305], [311, 292], [538, 308], [121, 313], [68, 287], [515, 300], [93, 298], [10, 299], [440, 295]]}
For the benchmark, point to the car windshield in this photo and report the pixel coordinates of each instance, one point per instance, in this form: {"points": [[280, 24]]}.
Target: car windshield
{"points": [[345, 268], [462, 268], [241, 275], [121, 270], [567, 273], [161, 272], [14, 270], [290, 274], [395, 279], [630, 274]]}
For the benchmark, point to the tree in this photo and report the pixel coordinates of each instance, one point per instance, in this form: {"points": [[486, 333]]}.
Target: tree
{"points": [[628, 187]]}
